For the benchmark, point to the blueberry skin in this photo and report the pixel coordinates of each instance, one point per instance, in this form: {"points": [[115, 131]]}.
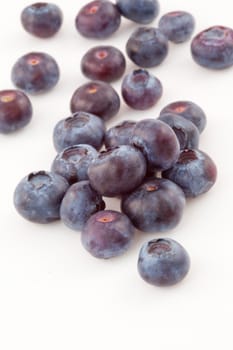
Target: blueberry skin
{"points": [[38, 196], [79, 203], [98, 19], [163, 262], [15, 111], [119, 134], [213, 48], [141, 90], [79, 128], [158, 143], [140, 11], [177, 26], [105, 63], [155, 206], [42, 19], [96, 97], [186, 132], [195, 172], [35, 72], [188, 110], [107, 234], [72, 163], [117, 171], [147, 47]]}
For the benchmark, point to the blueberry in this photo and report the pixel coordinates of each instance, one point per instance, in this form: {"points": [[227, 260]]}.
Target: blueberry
{"points": [[38, 196], [186, 132], [79, 128], [35, 72], [15, 110], [98, 19], [195, 172], [141, 90], [155, 206], [177, 26], [117, 171], [163, 262], [107, 234], [79, 203], [72, 163], [105, 63], [96, 97], [158, 143], [213, 48], [140, 11], [147, 47], [188, 110], [119, 134], [42, 19]]}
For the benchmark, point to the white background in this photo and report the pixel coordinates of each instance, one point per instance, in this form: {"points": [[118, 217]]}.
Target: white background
{"points": [[53, 294]]}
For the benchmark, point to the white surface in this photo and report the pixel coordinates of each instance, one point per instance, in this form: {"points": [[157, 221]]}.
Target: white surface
{"points": [[53, 295]]}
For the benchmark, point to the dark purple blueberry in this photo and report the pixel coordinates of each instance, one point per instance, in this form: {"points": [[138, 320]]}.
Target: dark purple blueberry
{"points": [[15, 110], [96, 97], [79, 128], [158, 143], [72, 163], [141, 90], [42, 19], [79, 203], [107, 234], [117, 171], [163, 262], [119, 134], [35, 72], [195, 172], [38, 196], [105, 63], [155, 206], [177, 26], [213, 48], [147, 47], [188, 110], [98, 19], [140, 11], [186, 132]]}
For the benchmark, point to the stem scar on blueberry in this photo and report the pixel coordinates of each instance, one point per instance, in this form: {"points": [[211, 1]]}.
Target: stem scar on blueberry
{"points": [[92, 10], [159, 246], [7, 98]]}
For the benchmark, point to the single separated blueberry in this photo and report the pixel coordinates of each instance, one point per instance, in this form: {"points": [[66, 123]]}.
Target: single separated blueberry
{"points": [[107, 234], [79, 203], [213, 47], [177, 26], [155, 206], [163, 262], [147, 47], [140, 11], [98, 19], [195, 172], [42, 19], [141, 90], [35, 72], [15, 110], [38, 196]]}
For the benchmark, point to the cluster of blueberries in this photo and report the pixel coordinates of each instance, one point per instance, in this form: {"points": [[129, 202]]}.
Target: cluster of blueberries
{"points": [[151, 165]]}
